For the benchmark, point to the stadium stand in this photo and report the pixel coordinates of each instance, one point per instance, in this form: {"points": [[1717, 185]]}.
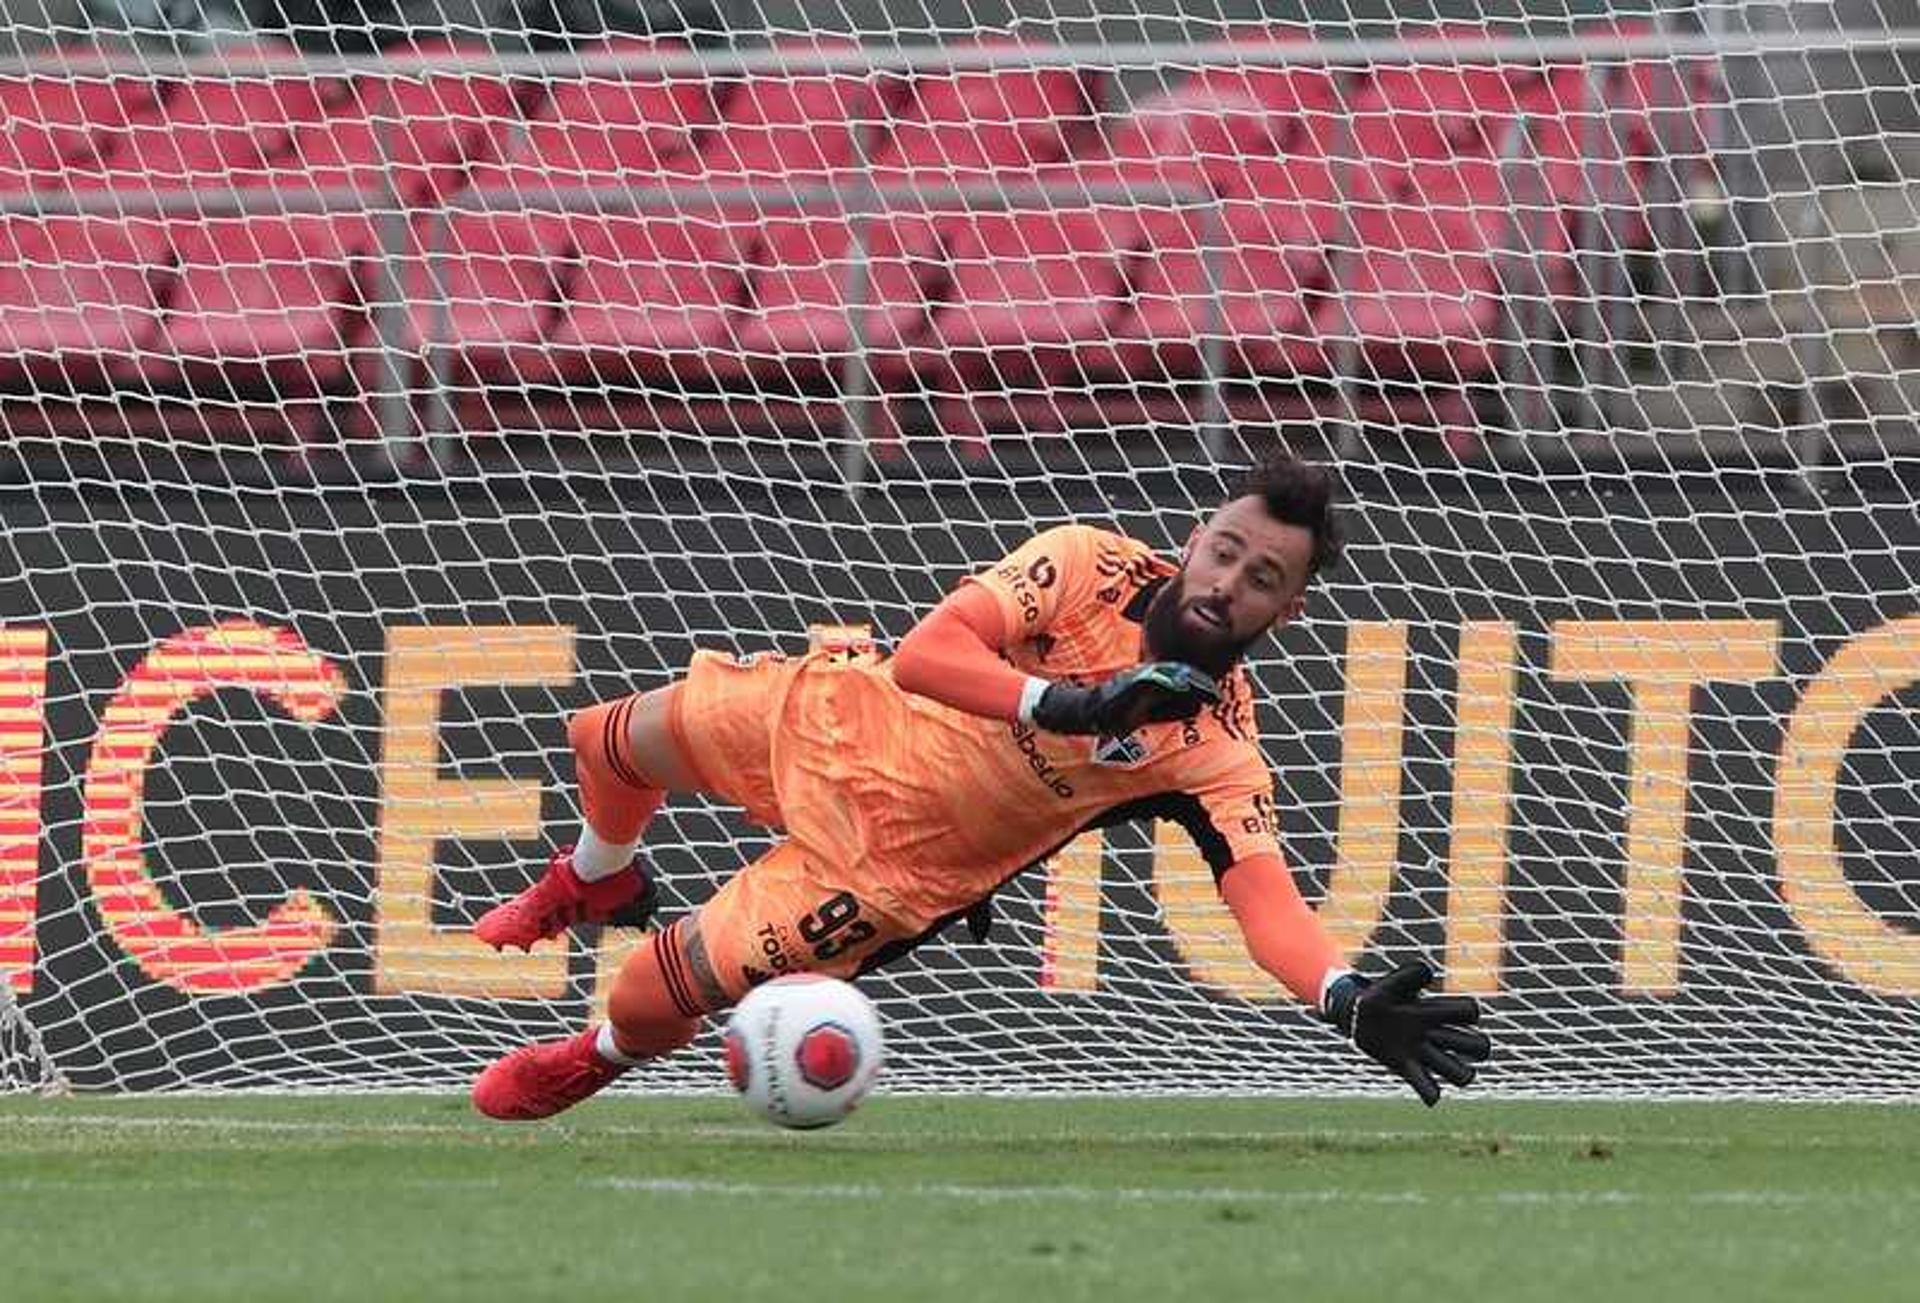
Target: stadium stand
{"points": [[1270, 225]]}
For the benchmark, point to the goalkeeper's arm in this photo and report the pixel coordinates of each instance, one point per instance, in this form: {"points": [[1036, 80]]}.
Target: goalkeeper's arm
{"points": [[1414, 1036], [953, 656]]}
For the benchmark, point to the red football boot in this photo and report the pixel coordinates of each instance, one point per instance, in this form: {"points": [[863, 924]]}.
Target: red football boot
{"points": [[537, 1081], [561, 899]]}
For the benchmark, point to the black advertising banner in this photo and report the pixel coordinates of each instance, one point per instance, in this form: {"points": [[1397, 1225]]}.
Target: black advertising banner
{"points": [[1643, 774]]}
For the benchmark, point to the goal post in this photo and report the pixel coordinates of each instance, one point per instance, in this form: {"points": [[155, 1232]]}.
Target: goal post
{"points": [[366, 414]]}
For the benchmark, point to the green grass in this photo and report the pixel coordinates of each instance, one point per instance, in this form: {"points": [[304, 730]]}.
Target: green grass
{"points": [[1281, 1201]]}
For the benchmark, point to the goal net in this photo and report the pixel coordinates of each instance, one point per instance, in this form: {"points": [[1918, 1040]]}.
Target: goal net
{"points": [[376, 397]]}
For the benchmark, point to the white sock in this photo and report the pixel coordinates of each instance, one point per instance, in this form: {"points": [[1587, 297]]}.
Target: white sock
{"points": [[604, 1046], [594, 859]]}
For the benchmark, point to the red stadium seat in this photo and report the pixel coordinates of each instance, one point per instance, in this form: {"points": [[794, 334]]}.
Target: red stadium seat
{"points": [[215, 133], [57, 126], [77, 301], [603, 122], [1237, 276], [1421, 294], [650, 288], [653, 299], [1410, 116], [1307, 102], [799, 315], [974, 126], [987, 128], [272, 297], [490, 293], [420, 133], [260, 301], [1030, 291], [1198, 131], [794, 129]]}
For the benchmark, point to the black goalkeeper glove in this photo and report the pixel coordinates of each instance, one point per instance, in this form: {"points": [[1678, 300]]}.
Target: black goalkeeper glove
{"points": [[1413, 1036], [1145, 694]]}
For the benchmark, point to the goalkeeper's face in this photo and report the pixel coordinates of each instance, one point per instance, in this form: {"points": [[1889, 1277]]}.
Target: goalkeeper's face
{"points": [[1243, 574]]}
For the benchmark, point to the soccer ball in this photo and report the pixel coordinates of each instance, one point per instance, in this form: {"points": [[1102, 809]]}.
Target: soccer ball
{"points": [[803, 1050]]}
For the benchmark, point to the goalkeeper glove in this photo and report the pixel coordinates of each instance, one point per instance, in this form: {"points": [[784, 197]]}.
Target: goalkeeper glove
{"points": [[1145, 694], [1413, 1036]]}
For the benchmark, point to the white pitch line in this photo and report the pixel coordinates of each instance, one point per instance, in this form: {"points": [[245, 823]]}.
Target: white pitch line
{"points": [[685, 1187], [1208, 1194], [751, 1133]]}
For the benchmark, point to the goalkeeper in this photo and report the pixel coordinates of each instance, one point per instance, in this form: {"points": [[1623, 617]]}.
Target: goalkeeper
{"points": [[1082, 681]]}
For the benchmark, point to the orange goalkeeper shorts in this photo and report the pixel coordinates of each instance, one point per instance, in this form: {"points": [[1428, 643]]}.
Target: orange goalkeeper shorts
{"points": [[789, 913], [725, 714], [807, 905]]}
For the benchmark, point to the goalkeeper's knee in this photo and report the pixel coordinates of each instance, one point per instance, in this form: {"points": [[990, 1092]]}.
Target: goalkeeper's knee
{"points": [[655, 1008], [617, 798]]}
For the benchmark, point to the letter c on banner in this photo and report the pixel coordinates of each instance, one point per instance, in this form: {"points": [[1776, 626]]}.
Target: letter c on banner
{"points": [[168, 946], [1861, 946]]}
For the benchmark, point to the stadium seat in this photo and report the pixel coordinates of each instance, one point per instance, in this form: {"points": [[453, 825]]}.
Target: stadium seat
{"points": [[1237, 276], [650, 289], [419, 133], [987, 129], [796, 129], [507, 275], [1030, 290], [57, 126], [1420, 294], [1410, 116], [973, 126], [652, 299], [215, 133], [490, 292], [273, 297], [1197, 133], [260, 302], [601, 123], [798, 319], [77, 301], [1305, 103]]}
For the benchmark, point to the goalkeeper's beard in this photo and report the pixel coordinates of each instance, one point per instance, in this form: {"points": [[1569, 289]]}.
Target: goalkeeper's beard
{"points": [[1216, 651]]}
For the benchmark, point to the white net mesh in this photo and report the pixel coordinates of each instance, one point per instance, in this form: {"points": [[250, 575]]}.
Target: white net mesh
{"points": [[366, 417]]}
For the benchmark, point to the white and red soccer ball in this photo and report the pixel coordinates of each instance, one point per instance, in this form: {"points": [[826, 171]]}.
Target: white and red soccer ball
{"points": [[804, 1050]]}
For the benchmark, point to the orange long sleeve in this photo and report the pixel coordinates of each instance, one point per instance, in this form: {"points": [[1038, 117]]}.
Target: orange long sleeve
{"points": [[953, 657], [1282, 933]]}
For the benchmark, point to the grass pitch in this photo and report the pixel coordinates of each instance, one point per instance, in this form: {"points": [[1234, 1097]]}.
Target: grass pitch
{"points": [[413, 1198]]}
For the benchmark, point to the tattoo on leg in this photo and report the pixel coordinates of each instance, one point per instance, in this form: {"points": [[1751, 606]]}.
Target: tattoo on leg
{"points": [[701, 966]]}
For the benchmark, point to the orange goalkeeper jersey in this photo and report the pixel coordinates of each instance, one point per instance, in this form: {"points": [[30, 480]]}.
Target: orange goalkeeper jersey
{"points": [[936, 807]]}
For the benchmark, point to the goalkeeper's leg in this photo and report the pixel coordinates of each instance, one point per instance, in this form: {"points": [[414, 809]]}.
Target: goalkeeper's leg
{"points": [[655, 1009], [755, 927], [626, 762]]}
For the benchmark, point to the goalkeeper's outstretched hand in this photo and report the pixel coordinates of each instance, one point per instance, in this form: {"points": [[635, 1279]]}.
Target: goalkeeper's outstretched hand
{"points": [[1415, 1036], [1146, 694]]}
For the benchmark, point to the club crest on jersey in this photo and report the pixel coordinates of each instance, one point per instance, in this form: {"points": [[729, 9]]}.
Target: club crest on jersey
{"points": [[1119, 752]]}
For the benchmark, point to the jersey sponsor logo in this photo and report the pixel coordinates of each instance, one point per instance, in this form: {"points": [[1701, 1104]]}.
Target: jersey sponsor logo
{"points": [[1120, 752], [1021, 585], [1265, 819], [1128, 577], [1028, 740], [776, 948]]}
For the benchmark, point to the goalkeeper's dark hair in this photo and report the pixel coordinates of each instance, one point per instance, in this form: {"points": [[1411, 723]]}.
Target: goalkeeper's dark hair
{"points": [[1299, 493]]}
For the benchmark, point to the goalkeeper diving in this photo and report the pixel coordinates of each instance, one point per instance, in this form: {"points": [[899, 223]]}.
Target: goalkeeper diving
{"points": [[1080, 682]]}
